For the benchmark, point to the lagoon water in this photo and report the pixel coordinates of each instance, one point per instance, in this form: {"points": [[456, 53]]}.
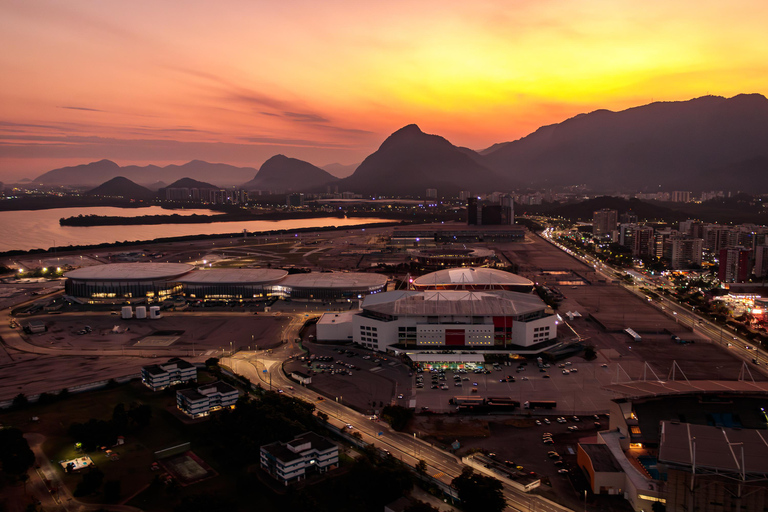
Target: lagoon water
{"points": [[40, 229]]}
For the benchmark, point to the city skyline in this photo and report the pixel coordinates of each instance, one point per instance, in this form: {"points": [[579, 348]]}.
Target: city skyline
{"points": [[326, 83]]}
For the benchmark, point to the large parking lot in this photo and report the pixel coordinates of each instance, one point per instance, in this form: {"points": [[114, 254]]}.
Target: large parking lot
{"points": [[579, 391]]}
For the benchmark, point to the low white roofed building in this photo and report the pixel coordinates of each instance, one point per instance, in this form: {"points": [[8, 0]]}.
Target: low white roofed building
{"points": [[201, 401], [290, 462], [174, 371]]}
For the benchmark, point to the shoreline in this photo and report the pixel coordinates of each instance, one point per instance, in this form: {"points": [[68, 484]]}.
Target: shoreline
{"points": [[254, 234]]}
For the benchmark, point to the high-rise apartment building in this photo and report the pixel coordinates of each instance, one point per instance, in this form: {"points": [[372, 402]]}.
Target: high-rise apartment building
{"points": [[604, 221], [431, 193], [735, 264], [685, 252]]}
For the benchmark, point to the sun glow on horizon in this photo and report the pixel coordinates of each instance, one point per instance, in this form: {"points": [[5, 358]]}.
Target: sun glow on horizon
{"points": [[242, 81]]}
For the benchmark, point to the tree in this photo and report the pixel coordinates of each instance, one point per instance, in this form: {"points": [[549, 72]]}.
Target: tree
{"points": [[479, 493], [90, 483], [15, 455], [112, 491], [658, 507], [589, 353], [212, 362], [397, 416], [140, 415], [20, 401], [421, 468], [322, 416]]}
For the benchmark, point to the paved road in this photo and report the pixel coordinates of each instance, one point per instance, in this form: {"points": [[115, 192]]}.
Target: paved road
{"points": [[681, 313], [266, 367]]}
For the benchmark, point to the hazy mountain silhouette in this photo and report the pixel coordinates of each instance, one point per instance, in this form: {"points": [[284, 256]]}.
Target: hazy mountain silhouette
{"points": [[340, 170], [410, 161], [156, 185], [283, 174], [707, 142], [94, 173], [191, 183], [121, 187]]}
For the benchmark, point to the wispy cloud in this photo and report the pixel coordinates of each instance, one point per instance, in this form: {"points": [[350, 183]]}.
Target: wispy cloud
{"points": [[303, 117], [86, 109]]}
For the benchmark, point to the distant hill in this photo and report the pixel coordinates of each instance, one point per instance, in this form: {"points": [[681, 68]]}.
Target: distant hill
{"points": [[122, 187], [190, 183], [283, 174], [95, 173], [156, 185], [340, 170], [705, 143], [410, 161], [583, 211]]}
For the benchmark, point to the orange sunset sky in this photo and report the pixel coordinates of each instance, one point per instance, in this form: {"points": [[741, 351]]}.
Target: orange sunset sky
{"points": [[238, 81]]}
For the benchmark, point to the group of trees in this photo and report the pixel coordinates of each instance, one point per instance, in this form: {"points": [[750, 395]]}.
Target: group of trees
{"points": [[239, 433], [397, 416], [94, 433], [15, 455]]}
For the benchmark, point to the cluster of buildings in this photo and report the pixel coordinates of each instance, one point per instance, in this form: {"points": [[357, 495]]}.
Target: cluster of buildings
{"points": [[681, 196], [160, 281], [287, 462], [206, 195], [741, 250], [195, 402], [500, 211]]}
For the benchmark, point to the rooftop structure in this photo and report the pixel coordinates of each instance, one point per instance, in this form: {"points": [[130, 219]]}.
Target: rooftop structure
{"points": [[452, 256], [473, 279], [234, 276], [129, 271], [330, 285]]}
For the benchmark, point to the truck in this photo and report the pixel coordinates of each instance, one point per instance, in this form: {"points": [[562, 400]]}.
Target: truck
{"points": [[467, 400], [539, 404]]}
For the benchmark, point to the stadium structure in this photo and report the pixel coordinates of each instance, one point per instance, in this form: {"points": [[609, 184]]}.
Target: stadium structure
{"points": [[471, 278], [689, 445], [140, 282], [452, 256], [444, 322]]}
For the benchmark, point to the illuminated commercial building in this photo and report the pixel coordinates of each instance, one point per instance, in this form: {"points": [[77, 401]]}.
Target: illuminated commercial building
{"points": [[141, 282], [411, 321], [126, 281], [228, 284]]}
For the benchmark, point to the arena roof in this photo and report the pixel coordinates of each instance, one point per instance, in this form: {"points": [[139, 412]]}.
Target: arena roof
{"points": [[643, 388], [472, 277], [722, 449], [453, 303], [339, 280], [129, 271], [234, 276]]}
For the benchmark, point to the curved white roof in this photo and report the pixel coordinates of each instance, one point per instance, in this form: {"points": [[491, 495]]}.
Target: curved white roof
{"points": [[340, 280], [453, 302], [471, 277], [234, 276], [129, 271]]}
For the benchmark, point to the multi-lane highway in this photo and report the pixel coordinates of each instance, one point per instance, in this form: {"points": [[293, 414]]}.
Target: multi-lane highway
{"points": [[680, 313]]}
